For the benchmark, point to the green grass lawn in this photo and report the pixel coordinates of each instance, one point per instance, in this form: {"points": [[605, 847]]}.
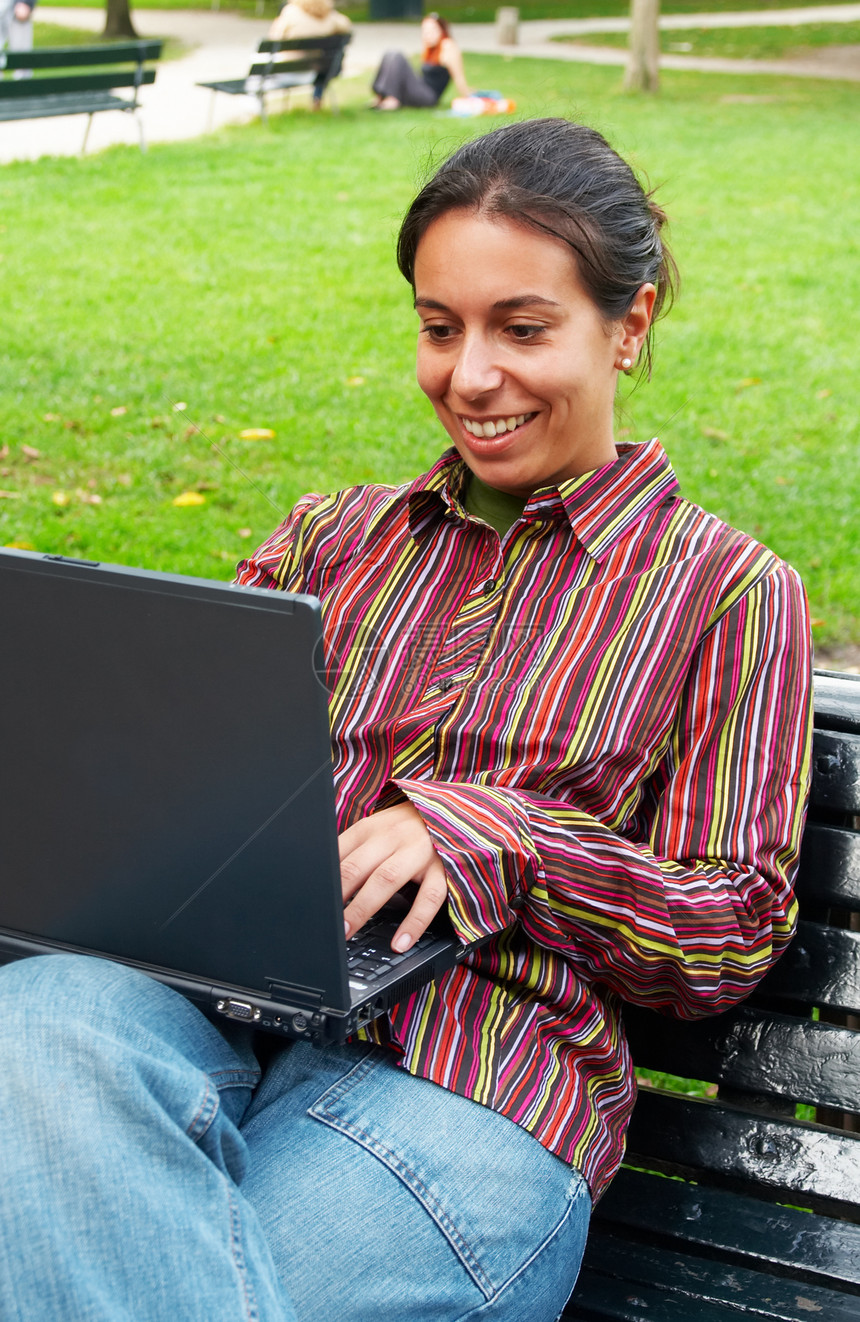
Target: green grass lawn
{"points": [[54, 34], [756, 43], [159, 306]]}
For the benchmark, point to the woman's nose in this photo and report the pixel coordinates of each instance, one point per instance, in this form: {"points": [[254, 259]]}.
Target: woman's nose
{"points": [[476, 370]]}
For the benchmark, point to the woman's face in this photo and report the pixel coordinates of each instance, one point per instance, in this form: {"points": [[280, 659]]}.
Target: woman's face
{"points": [[431, 32], [517, 361]]}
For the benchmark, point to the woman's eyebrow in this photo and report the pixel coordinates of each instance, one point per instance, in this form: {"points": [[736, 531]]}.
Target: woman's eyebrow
{"points": [[501, 304]]}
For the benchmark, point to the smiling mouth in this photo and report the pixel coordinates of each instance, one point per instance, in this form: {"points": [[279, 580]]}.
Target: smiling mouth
{"points": [[495, 426]]}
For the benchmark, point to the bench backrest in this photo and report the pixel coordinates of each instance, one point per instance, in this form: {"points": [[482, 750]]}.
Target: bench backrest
{"points": [[128, 56], [312, 54], [794, 1045]]}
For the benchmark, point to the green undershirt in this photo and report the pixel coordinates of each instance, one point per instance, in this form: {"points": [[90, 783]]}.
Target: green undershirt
{"points": [[497, 508]]}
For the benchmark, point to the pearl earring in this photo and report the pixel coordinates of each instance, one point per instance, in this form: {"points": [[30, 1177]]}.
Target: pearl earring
{"points": [[626, 364]]}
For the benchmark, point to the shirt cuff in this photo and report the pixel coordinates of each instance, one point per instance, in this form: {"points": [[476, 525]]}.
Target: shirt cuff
{"points": [[482, 837]]}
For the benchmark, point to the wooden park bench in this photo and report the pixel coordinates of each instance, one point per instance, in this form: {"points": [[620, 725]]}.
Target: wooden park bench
{"points": [[746, 1203], [310, 62], [76, 81]]}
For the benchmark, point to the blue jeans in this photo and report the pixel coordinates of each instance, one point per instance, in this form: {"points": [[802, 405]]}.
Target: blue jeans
{"points": [[151, 1172]]}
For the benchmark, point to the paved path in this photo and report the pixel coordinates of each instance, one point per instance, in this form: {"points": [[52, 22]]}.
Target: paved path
{"points": [[223, 44]]}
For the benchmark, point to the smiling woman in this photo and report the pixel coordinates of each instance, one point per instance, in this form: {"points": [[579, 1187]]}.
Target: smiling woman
{"points": [[584, 742], [519, 363]]}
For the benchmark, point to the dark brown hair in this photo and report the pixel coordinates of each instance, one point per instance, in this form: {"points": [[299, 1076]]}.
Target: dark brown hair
{"points": [[564, 180]]}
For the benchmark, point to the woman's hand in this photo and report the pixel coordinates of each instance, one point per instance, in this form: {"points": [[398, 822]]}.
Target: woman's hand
{"points": [[378, 856]]}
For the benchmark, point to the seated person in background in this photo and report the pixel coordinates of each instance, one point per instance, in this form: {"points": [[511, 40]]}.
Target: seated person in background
{"points": [[310, 18], [397, 84]]}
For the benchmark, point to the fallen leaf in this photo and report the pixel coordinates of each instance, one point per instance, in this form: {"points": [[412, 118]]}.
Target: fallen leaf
{"points": [[243, 532], [784, 481], [823, 394], [189, 498], [190, 431], [355, 381], [4, 451], [10, 495], [52, 417], [747, 382], [714, 434], [61, 498], [817, 624], [119, 411], [88, 497], [30, 452], [257, 434], [21, 546]]}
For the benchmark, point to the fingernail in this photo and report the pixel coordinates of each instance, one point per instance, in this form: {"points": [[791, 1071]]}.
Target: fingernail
{"points": [[402, 942], [346, 927]]}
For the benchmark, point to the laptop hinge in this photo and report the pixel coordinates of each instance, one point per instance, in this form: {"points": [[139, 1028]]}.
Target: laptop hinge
{"points": [[308, 997]]}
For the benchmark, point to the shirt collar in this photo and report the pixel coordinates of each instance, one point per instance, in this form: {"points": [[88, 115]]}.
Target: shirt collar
{"points": [[599, 506]]}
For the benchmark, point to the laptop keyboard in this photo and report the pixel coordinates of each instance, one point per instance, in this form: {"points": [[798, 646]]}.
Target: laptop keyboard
{"points": [[369, 955]]}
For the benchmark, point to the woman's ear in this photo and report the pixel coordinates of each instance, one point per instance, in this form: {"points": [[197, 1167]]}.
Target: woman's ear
{"points": [[633, 326]]}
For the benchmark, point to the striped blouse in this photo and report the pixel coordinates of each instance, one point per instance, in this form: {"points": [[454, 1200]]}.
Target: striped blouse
{"points": [[603, 718]]}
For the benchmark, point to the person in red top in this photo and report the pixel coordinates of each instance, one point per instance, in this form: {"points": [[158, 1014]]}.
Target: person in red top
{"points": [[571, 711], [397, 84]]}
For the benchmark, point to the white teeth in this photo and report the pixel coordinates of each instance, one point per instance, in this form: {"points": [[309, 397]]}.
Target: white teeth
{"points": [[498, 428]]}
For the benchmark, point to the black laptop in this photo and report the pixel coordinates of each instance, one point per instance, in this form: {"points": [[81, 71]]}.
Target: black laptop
{"points": [[166, 796]]}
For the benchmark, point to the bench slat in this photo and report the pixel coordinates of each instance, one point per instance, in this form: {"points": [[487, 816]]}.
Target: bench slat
{"points": [[821, 967], [337, 41], [39, 88], [799, 1245], [785, 1159], [58, 57], [600, 1298], [288, 67], [50, 107], [837, 701], [709, 1288], [765, 1054], [829, 867], [836, 771]]}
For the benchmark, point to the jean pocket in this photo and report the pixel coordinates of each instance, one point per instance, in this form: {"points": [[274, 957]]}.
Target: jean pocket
{"points": [[491, 1189]]}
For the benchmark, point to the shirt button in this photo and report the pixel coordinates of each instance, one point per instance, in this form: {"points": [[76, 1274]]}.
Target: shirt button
{"points": [[489, 586]]}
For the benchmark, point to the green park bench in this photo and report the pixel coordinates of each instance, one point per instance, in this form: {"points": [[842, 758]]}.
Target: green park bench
{"points": [[746, 1204], [310, 62], [72, 80]]}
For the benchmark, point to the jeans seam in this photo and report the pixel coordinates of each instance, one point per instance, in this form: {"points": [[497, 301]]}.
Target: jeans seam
{"points": [[419, 1190], [399, 1168], [581, 1189], [252, 1312], [205, 1114]]}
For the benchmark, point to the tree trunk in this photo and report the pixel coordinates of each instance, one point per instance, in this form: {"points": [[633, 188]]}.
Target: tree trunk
{"points": [[118, 24], [643, 62]]}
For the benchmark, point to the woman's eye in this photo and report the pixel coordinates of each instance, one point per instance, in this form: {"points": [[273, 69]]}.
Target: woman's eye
{"points": [[524, 331], [437, 333]]}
